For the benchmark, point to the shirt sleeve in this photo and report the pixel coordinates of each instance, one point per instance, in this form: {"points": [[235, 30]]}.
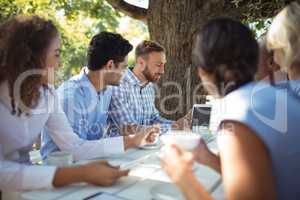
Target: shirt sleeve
{"points": [[15, 176], [73, 108], [165, 124], [157, 119], [63, 136]]}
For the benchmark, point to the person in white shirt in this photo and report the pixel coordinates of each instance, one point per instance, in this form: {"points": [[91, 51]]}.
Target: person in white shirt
{"points": [[29, 55]]}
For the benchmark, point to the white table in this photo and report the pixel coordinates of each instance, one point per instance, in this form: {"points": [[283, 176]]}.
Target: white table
{"points": [[142, 182]]}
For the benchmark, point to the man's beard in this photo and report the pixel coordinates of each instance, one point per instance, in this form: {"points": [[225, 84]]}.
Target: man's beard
{"points": [[149, 76]]}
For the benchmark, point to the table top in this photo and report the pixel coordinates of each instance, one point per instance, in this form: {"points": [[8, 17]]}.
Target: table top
{"points": [[146, 180]]}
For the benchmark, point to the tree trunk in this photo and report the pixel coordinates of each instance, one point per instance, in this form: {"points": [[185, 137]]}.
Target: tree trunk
{"points": [[167, 25], [174, 25]]}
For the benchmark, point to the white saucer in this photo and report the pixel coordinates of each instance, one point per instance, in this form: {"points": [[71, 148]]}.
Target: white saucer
{"points": [[151, 146]]}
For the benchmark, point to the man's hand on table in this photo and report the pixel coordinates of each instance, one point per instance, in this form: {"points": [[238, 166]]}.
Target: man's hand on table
{"points": [[144, 136], [183, 123]]}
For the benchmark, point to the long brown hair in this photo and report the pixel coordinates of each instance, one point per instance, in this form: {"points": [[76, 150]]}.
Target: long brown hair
{"points": [[24, 42]]}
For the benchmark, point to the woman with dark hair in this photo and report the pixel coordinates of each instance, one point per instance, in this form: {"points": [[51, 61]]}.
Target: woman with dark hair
{"points": [[257, 130], [30, 53]]}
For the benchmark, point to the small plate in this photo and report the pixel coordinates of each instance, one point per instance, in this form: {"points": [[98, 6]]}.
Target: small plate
{"points": [[150, 146], [156, 145]]}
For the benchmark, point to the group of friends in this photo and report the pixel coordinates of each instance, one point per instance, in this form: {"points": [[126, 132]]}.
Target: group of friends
{"points": [[108, 108]]}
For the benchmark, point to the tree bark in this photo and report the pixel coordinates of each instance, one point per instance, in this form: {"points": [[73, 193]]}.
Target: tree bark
{"points": [[174, 24], [130, 10]]}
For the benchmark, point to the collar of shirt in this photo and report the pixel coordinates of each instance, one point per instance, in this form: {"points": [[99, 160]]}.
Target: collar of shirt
{"points": [[131, 78], [86, 85]]}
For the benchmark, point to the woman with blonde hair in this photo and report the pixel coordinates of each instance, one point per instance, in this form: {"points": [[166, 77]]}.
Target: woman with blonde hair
{"points": [[283, 39], [268, 69]]}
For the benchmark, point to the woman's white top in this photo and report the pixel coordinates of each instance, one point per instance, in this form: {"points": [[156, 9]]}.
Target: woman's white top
{"points": [[17, 134]]}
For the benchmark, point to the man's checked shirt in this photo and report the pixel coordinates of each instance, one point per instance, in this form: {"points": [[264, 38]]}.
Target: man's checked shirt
{"points": [[133, 104]]}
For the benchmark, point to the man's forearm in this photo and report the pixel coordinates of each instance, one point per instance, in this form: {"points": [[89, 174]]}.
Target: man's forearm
{"points": [[130, 129]]}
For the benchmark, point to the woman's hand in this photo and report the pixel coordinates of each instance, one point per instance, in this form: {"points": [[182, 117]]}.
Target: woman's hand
{"points": [[96, 173], [177, 163], [179, 166], [204, 156]]}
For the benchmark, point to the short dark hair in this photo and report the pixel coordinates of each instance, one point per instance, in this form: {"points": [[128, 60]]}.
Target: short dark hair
{"points": [[146, 47], [107, 46], [228, 49]]}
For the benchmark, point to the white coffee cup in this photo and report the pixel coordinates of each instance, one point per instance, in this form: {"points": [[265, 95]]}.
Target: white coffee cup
{"points": [[185, 139], [60, 159]]}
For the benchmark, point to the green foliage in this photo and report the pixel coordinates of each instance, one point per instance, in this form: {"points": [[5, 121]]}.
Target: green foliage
{"points": [[258, 13], [258, 9], [260, 27], [77, 21], [135, 31]]}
